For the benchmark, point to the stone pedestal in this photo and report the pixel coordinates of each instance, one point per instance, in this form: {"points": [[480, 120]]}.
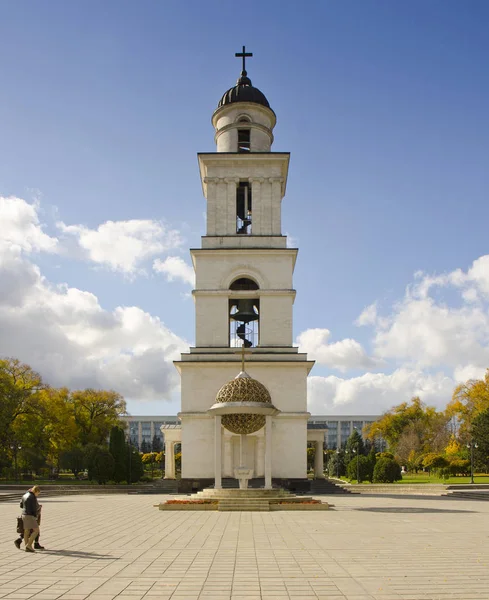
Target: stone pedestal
{"points": [[243, 475]]}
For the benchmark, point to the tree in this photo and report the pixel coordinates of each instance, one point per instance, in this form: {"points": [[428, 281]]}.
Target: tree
{"points": [[363, 468], [413, 425], [157, 444], [372, 459], [73, 459], [134, 464], [117, 447], [355, 443], [58, 423], [145, 447], [95, 413], [468, 400], [336, 464], [387, 470], [150, 459], [480, 436], [433, 461], [19, 395], [103, 466]]}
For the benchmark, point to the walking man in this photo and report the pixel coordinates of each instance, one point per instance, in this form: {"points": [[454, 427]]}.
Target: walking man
{"points": [[30, 510]]}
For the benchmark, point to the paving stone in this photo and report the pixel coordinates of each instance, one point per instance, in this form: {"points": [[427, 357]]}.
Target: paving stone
{"points": [[367, 548]]}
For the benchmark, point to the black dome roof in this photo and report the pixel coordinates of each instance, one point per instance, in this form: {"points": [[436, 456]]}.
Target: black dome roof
{"points": [[243, 91]]}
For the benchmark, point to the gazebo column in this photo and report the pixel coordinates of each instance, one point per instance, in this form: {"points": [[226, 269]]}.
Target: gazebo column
{"points": [[169, 460], [260, 456], [217, 453], [228, 456], [319, 461], [268, 452]]}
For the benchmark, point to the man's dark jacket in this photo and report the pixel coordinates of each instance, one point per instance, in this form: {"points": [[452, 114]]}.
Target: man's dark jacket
{"points": [[28, 504]]}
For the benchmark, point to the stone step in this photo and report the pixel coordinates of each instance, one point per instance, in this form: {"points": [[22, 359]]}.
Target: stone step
{"points": [[481, 495], [262, 505]]}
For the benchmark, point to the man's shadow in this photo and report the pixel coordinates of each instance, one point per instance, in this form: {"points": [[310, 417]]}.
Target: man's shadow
{"points": [[79, 554]]}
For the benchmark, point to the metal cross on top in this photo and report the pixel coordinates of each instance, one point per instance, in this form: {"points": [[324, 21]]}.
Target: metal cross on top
{"points": [[243, 55]]}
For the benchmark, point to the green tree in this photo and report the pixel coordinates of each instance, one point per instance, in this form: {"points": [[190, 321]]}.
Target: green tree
{"points": [[355, 443], [95, 413], [387, 470], [19, 395], [157, 444], [480, 436], [372, 459], [336, 464], [135, 469], [73, 459], [117, 447], [363, 468], [103, 466]]}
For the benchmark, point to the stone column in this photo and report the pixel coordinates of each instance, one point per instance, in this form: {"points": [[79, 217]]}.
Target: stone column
{"points": [[268, 452], [256, 205], [211, 204], [260, 456], [232, 183], [140, 434], [169, 460], [319, 461], [228, 456], [217, 453], [221, 207], [276, 205]]}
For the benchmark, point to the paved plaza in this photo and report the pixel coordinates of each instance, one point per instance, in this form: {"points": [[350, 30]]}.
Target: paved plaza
{"points": [[120, 546]]}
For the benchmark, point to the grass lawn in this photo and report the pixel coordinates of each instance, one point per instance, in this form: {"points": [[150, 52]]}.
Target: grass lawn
{"points": [[420, 478]]}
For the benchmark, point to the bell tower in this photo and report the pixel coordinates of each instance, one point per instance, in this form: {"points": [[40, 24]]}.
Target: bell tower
{"points": [[244, 293]]}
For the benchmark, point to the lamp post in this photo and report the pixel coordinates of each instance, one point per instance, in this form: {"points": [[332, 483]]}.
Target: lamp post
{"points": [[358, 456], [471, 446], [15, 448]]}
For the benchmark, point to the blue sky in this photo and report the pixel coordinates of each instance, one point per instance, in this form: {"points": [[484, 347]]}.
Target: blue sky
{"points": [[383, 106]]}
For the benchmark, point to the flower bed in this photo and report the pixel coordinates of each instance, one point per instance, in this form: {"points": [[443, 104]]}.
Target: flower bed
{"points": [[191, 502], [299, 502]]}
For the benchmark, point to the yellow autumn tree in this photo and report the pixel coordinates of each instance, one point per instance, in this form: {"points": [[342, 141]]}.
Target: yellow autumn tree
{"points": [[469, 400]]}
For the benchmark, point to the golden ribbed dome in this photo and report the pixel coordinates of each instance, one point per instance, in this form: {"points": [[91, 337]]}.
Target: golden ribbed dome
{"points": [[243, 388]]}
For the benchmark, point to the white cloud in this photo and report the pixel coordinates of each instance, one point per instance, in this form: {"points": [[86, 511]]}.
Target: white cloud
{"points": [[426, 331], [343, 355], [368, 316], [374, 393], [20, 229], [65, 333], [175, 268], [123, 245]]}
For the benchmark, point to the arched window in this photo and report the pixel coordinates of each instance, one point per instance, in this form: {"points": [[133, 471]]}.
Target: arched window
{"points": [[244, 315], [244, 284]]}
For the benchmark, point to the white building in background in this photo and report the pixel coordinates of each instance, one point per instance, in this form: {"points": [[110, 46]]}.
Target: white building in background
{"points": [[338, 427]]}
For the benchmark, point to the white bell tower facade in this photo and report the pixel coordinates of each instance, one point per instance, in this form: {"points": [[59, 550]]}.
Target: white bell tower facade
{"points": [[244, 295]]}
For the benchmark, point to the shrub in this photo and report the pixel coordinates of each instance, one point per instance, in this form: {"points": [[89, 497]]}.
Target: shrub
{"points": [[434, 461], [103, 466], [363, 468], [387, 470]]}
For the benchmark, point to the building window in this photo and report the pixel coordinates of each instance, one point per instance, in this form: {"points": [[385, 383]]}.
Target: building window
{"points": [[243, 208], [244, 137]]}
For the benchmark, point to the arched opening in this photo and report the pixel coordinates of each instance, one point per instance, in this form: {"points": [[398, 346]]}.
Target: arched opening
{"points": [[244, 315], [244, 284]]}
